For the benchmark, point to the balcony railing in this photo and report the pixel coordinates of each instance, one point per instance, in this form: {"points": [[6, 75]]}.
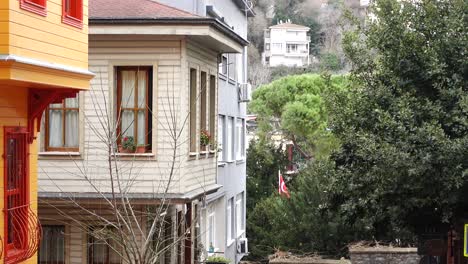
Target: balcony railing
{"points": [[24, 234]]}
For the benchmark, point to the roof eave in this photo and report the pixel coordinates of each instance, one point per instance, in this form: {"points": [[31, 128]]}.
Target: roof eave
{"points": [[171, 21]]}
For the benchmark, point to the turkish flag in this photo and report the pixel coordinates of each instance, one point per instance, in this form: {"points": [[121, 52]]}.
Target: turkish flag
{"points": [[282, 189]]}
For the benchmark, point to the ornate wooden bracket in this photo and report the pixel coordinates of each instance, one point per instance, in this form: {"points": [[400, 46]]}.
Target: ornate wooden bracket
{"points": [[38, 100]]}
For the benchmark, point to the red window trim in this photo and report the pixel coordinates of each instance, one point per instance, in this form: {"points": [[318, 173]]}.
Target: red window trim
{"points": [[74, 21], [38, 7], [11, 253]]}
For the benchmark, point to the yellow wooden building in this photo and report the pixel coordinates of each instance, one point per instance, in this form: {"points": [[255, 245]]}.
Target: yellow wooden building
{"points": [[43, 59]]}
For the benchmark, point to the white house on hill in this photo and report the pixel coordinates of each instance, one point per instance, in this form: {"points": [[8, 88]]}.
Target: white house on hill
{"points": [[286, 44]]}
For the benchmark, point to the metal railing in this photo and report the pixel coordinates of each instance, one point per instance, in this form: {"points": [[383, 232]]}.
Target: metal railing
{"points": [[24, 234]]}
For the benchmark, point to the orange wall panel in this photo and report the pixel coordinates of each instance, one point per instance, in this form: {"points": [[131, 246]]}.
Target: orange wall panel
{"points": [[47, 38]]}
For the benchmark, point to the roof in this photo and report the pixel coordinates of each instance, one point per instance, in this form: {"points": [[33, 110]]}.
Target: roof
{"points": [[290, 26], [134, 9]]}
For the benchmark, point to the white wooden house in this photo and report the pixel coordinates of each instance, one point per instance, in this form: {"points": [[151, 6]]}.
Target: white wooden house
{"points": [[156, 76]]}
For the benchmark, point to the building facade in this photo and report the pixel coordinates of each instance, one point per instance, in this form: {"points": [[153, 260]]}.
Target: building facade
{"points": [[139, 134], [43, 60], [286, 44], [224, 216]]}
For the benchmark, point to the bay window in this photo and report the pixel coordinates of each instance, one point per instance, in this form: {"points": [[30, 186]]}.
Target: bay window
{"points": [[62, 125], [134, 104]]}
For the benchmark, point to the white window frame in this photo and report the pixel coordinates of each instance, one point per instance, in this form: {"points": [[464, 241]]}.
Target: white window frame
{"points": [[221, 137], [223, 65], [230, 139], [240, 139], [211, 229], [240, 214], [229, 221]]}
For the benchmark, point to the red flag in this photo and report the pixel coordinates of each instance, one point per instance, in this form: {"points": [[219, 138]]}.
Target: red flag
{"points": [[282, 189]]}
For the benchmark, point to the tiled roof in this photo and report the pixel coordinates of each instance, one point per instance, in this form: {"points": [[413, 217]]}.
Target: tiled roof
{"points": [[289, 25], [134, 9]]}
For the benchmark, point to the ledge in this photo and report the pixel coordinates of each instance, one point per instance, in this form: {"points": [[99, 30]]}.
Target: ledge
{"points": [[366, 250], [58, 155]]}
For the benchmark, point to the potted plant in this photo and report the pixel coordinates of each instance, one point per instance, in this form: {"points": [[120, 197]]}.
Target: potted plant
{"points": [[141, 149], [127, 145], [205, 139], [217, 260]]}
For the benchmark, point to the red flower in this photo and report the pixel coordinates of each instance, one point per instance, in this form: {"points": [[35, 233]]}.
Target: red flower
{"points": [[125, 138]]}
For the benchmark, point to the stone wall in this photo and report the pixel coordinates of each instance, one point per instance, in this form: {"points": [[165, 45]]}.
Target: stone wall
{"points": [[307, 260], [384, 255]]}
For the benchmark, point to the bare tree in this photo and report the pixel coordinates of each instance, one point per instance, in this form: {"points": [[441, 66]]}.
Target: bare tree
{"points": [[137, 234]]}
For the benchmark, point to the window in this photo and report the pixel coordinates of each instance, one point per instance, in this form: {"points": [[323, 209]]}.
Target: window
{"points": [[16, 194], [221, 144], [193, 110], [223, 66], [62, 126], [240, 138], [102, 250], [35, 6], [211, 229], [230, 221], [72, 13], [277, 46], [52, 250], [267, 46], [240, 214], [203, 106], [134, 94], [230, 139], [291, 48], [232, 66], [213, 115]]}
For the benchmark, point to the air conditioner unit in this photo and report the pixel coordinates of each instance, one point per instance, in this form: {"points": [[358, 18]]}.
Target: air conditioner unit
{"points": [[245, 92], [242, 247]]}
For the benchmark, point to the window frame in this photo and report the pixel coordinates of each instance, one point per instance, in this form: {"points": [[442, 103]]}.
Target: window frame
{"points": [[230, 139], [232, 71], [38, 7], [212, 109], [148, 105], [21, 191], [211, 229], [240, 139], [90, 252], [203, 105], [193, 91], [64, 244], [240, 214], [76, 19], [221, 137], [47, 148], [223, 65], [230, 220]]}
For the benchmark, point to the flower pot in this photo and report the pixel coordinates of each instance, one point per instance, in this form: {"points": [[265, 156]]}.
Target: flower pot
{"points": [[122, 150], [140, 149]]}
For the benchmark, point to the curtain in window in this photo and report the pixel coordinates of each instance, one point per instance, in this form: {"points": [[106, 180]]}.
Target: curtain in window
{"points": [[141, 133], [128, 101], [55, 126], [71, 123]]}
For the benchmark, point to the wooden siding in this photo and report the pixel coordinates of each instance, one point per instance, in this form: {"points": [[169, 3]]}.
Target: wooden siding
{"points": [[44, 38], [170, 60]]}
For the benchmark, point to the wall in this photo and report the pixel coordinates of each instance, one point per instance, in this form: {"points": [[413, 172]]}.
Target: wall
{"points": [[308, 260], [384, 255], [45, 38], [169, 58]]}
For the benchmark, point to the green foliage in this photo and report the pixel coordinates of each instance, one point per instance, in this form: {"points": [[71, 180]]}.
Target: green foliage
{"points": [[301, 224], [330, 62], [403, 133], [128, 143], [298, 104], [262, 171], [217, 259]]}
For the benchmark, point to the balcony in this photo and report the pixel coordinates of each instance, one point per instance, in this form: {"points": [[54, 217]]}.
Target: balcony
{"points": [[24, 234]]}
